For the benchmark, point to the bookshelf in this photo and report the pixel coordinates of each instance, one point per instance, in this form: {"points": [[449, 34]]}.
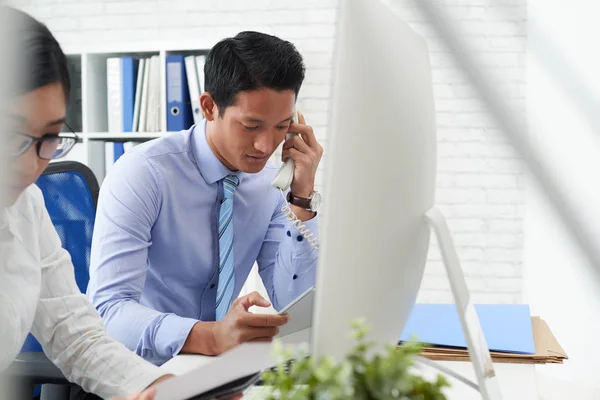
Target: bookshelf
{"points": [[88, 110]]}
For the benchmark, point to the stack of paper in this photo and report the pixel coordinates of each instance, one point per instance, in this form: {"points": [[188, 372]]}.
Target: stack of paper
{"points": [[547, 349], [511, 333]]}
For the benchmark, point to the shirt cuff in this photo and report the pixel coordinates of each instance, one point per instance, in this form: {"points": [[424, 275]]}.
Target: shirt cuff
{"points": [[299, 244], [172, 334]]}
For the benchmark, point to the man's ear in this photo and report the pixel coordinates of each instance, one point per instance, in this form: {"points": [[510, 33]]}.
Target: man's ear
{"points": [[209, 107]]}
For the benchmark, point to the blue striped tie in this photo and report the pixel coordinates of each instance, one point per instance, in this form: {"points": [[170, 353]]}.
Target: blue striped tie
{"points": [[226, 261]]}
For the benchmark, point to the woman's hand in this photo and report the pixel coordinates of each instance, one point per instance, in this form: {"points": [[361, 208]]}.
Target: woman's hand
{"points": [[147, 394]]}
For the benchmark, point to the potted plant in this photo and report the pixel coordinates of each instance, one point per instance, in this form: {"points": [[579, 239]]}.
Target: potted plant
{"points": [[384, 375]]}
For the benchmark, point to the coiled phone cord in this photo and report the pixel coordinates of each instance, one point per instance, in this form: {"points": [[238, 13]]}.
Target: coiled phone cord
{"points": [[304, 231]]}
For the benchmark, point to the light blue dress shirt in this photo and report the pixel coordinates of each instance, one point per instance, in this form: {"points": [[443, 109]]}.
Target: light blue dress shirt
{"points": [[154, 259]]}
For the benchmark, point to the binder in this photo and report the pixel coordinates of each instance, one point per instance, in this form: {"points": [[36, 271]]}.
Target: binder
{"points": [[193, 88], [200, 61], [109, 156], [154, 92], [121, 85], [129, 67], [506, 327], [143, 122], [114, 95], [138, 95], [179, 110], [547, 349]]}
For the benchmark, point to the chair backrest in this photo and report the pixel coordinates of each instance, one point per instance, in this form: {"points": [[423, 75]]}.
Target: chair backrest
{"points": [[70, 192]]}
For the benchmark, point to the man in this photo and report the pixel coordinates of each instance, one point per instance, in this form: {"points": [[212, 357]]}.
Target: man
{"points": [[182, 219]]}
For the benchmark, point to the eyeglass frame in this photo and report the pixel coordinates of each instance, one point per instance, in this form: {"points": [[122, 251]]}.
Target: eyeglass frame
{"points": [[39, 140]]}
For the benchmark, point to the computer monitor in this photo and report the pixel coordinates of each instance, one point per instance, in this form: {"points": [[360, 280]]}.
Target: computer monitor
{"points": [[380, 182]]}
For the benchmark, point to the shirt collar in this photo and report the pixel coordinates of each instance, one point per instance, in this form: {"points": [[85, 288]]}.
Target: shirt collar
{"points": [[211, 168]]}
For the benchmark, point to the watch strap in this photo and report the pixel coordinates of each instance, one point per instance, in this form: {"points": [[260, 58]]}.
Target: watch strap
{"points": [[301, 202]]}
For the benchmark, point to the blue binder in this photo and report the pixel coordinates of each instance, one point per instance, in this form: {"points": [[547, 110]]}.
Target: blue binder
{"points": [[179, 106], [119, 150], [129, 66], [506, 327]]}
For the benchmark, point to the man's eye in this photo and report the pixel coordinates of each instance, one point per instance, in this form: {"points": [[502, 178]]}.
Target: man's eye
{"points": [[250, 128], [283, 127]]}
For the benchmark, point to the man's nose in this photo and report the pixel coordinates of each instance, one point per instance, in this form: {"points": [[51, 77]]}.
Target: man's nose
{"points": [[264, 142]]}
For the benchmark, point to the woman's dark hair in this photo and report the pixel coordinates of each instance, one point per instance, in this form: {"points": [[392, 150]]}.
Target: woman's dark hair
{"points": [[39, 59], [250, 61]]}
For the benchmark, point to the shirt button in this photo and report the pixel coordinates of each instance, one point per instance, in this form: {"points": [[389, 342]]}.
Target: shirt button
{"points": [[289, 233], [295, 276], [300, 238], [212, 286]]}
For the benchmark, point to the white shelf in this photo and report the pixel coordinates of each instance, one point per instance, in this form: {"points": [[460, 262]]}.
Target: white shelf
{"points": [[88, 108], [123, 137], [197, 45]]}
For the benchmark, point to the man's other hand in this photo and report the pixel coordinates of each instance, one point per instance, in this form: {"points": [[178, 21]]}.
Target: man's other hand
{"points": [[240, 325]]}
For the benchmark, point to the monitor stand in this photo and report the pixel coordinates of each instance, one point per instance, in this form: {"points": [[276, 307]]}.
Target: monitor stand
{"points": [[481, 359], [478, 349]]}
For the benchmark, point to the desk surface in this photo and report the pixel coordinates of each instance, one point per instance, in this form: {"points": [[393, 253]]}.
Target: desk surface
{"points": [[517, 381]]}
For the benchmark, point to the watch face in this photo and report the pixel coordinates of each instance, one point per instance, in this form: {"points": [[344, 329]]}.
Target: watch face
{"points": [[315, 201]]}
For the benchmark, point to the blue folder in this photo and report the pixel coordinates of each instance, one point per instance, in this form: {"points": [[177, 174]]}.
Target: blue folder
{"points": [[506, 327], [179, 106], [129, 67]]}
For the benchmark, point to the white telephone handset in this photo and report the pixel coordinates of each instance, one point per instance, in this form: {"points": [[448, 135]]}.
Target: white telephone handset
{"points": [[284, 177], [283, 181]]}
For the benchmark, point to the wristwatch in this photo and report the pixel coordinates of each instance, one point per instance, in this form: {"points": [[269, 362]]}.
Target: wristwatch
{"points": [[311, 204]]}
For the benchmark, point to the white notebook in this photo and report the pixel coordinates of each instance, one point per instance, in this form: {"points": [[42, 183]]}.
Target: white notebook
{"points": [[214, 375]]}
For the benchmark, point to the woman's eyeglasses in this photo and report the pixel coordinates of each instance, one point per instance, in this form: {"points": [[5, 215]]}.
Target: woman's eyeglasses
{"points": [[48, 147]]}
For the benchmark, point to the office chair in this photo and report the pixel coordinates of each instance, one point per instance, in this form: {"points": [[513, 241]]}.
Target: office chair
{"points": [[70, 192]]}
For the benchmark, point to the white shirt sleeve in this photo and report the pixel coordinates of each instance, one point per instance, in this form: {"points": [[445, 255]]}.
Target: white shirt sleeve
{"points": [[14, 301], [72, 333]]}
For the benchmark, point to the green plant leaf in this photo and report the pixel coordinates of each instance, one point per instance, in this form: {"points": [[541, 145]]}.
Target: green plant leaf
{"points": [[384, 375]]}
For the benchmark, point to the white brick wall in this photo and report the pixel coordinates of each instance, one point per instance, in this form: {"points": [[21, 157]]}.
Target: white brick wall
{"points": [[481, 186], [480, 181]]}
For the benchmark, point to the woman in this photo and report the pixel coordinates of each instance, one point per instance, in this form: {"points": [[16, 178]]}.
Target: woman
{"points": [[38, 292]]}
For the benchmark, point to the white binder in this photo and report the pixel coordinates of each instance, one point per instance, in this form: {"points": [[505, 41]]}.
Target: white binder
{"points": [[194, 88], [138, 95]]}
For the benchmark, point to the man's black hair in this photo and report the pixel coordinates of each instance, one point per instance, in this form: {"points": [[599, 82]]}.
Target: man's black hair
{"points": [[251, 61]]}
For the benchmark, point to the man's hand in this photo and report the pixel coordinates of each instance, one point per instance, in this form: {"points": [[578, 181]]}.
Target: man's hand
{"points": [[238, 326], [306, 153]]}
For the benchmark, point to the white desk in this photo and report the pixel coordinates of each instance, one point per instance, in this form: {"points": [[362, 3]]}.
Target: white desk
{"points": [[517, 381]]}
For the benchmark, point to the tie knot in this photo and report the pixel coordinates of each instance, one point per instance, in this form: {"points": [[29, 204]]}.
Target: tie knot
{"points": [[232, 180], [230, 183]]}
